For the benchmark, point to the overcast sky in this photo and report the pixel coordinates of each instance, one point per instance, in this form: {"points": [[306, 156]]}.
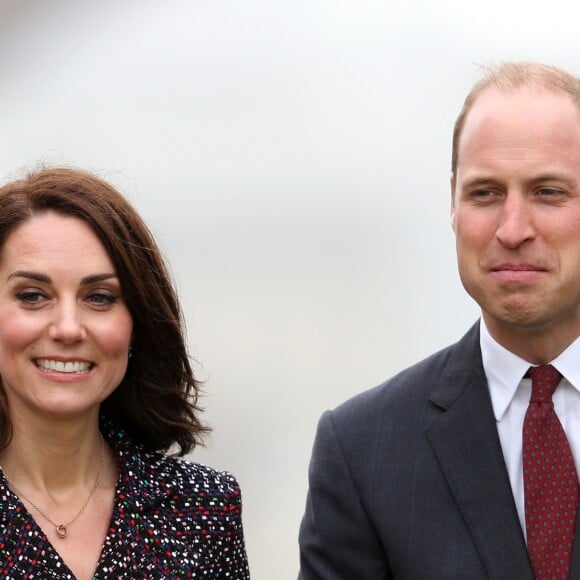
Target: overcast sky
{"points": [[292, 158]]}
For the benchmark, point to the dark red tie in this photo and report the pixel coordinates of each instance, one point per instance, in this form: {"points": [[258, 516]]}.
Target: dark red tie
{"points": [[550, 481]]}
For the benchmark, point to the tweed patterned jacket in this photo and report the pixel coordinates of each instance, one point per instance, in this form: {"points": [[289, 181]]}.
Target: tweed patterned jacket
{"points": [[172, 519]]}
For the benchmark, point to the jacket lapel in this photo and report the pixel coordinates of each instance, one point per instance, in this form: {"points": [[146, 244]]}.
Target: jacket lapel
{"points": [[465, 440], [575, 566]]}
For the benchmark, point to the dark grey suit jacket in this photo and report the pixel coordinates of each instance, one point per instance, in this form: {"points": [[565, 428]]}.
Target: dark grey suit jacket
{"points": [[408, 481]]}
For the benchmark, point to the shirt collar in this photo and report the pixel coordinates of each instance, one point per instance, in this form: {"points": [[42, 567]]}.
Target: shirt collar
{"points": [[504, 370], [568, 363]]}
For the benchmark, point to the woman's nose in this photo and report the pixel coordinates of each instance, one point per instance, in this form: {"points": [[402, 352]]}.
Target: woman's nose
{"points": [[67, 324]]}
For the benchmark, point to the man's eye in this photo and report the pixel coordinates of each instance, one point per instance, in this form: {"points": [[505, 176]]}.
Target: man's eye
{"points": [[548, 191], [483, 195]]}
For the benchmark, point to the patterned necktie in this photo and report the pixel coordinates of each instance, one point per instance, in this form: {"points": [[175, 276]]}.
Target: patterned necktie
{"points": [[550, 481]]}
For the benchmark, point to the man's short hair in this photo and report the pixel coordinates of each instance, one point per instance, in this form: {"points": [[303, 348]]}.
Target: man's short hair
{"points": [[511, 76]]}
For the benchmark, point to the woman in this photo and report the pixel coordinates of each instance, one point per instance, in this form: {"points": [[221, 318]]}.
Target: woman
{"points": [[95, 387]]}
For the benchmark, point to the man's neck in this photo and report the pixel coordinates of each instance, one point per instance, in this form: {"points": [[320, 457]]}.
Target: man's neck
{"points": [[537, 345]]}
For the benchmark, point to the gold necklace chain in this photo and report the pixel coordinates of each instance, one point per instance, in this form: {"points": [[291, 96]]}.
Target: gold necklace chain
{"points": [[62, 529]]}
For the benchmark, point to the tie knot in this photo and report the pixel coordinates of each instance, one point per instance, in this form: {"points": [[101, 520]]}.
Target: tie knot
{"points": [[545, 379]]}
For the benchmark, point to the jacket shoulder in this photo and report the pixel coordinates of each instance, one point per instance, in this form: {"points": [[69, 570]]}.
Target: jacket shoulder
{"points": [[411, 387], [187, 476], [406, 386]]}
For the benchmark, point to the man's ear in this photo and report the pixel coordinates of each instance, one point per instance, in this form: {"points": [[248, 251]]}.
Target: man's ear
{"points": [[452, 212]]}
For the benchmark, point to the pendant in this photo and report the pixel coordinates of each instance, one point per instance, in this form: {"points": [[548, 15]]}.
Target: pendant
{"points": [[61, 531]]}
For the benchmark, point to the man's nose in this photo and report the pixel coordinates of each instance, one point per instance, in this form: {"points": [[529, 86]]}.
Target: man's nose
{"points": [[516, 224], [67, 323]]}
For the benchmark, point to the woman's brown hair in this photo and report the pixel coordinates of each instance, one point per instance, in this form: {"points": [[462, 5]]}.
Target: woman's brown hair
{"points": [[156, 403]]}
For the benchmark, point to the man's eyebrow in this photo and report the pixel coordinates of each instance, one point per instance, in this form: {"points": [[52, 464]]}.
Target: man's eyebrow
{"points": [[486, 181], [554, 177], [37, 277], [478, 181]]}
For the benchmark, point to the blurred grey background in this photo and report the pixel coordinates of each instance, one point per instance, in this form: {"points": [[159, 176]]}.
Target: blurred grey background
{"points": [[292, 158]]}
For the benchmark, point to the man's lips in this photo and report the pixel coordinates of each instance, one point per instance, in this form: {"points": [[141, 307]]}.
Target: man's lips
{"points": [[509, 272], [518, 267]]}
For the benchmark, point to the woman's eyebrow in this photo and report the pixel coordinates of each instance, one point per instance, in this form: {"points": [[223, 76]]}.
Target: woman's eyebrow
{"points": [[30, 275], [98, 278], [36, 276]]}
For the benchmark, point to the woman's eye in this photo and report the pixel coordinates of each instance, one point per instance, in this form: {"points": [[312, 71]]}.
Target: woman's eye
{"points": [[30, 297], [102, 298]]}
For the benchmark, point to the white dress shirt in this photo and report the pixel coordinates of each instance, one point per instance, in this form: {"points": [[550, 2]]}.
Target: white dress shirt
{"points": [[510, 395]]}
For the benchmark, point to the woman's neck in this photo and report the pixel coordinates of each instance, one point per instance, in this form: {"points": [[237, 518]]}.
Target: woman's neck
{"points": [[53, 455]]}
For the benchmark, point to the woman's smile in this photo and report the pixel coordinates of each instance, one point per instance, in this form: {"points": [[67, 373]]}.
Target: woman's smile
{"points": [[60, 366], [63, 321]]}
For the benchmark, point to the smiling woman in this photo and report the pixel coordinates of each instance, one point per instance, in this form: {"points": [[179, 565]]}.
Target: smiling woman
{"points": [[64, 330], [96, 387]]}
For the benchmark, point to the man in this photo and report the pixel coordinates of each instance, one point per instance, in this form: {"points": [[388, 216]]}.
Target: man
{"points": [[438, 473]]}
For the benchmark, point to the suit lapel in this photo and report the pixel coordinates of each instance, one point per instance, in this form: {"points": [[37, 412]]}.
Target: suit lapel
{"points": [[465, 441], [575, 566]]}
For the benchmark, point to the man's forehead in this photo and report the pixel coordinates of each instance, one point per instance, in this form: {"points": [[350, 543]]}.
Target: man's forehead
{"points": [[494, 101], [518, 115], [533, 131]]}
